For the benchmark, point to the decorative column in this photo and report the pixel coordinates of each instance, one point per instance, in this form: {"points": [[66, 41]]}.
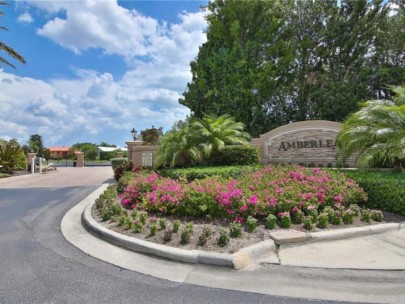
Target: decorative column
{"points": [[80, 159], [30, 157]]}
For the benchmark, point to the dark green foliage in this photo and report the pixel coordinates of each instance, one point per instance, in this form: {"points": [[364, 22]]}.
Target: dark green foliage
{"points": [[251, 224], [365, 215], [323, 221], [167, 236], [376, 215], [202, 172], [236, 155], [271, 62], [203, 238], [297, 217], [151, 136], [308, 224], [11, 158], [385, 190], [223, 239], [137, 227], [185, 236], [235, 230], [176, 226], [284, 220], [162, 224], [115, 162], [89, 150], [271, 221]]}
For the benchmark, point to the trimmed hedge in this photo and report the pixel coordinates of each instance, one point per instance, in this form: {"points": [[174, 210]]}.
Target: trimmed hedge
{"points": [[115, 162], [202, 172], [386, 190], [236, 155]]}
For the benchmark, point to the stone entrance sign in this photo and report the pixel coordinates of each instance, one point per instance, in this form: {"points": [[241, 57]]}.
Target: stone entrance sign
{"points": [[147, 159], [311, 141]]}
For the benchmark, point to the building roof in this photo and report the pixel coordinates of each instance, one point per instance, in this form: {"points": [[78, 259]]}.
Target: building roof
{"points": [[110, 149], [59, 149]]}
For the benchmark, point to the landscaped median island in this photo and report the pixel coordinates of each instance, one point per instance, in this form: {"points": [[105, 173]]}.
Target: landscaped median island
{"points": [[227, 209]]}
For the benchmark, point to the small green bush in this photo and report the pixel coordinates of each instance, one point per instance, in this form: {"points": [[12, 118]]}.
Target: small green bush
{"points": [[223, 238], [236, 155], [162, 224], [137, 227], [323, 220], [167, 236], [185, 236], [235, 230], [153, 228], [297, 217], [203, 238], [115, 162], [251, 224], [308, 224], [284, 220], [376, 215], [176, 226], [271, 221], [143, 216]]}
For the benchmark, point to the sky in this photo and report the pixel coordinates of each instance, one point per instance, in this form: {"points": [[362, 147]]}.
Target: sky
{"points": [[96, 68]]}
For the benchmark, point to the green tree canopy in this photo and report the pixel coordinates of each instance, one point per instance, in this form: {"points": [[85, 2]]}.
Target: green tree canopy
{"points": [[271, 62], [376, 132]]}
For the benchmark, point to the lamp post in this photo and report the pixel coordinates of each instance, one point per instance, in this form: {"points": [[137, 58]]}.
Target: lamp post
{"points": [[134, 134]]}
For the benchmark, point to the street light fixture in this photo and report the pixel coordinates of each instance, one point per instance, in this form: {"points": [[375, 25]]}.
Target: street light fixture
{"points": [[134, 134]]}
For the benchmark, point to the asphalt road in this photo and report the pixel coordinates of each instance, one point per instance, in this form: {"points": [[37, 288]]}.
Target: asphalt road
{"points": [[37, 265]]}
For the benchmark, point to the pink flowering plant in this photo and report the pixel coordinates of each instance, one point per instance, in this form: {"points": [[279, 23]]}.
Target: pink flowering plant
{"points": [[271, 190]]}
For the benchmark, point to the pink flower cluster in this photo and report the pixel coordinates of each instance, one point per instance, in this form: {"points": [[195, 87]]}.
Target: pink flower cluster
{"points": [[271, 190]]}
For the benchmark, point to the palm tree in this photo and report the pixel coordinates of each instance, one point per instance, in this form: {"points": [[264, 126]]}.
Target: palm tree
{"points": [[214, 133], [376, 132], [5, 48], [178, 148]]}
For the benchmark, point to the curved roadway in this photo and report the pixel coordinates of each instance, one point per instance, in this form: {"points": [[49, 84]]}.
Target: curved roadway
{"points": [[37, 265]]}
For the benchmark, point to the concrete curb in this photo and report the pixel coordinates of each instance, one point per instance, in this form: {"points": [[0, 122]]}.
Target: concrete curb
{"points": [[244, 258], [348, 233], [181, 255]]}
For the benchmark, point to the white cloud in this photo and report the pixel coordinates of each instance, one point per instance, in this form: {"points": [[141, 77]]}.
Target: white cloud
{"points": [[94, 106], [25, 18], [100, 24]]}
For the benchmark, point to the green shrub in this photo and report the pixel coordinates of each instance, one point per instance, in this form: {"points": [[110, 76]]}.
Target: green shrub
{"points": [[167, 236], [223, 238], [308, 224], [4, 175], [143, 217], [385, 190], [284, 220], [137, 227], [153, 228], [162, 224], [323, 221], [176, 226], [297, 217], [185, 236], [271, 221], [203, 238], [235, 230], [203, 172], [348, 216], [251, 224], [236, 155], [115, 162], [365, 215], [376, 215]]}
